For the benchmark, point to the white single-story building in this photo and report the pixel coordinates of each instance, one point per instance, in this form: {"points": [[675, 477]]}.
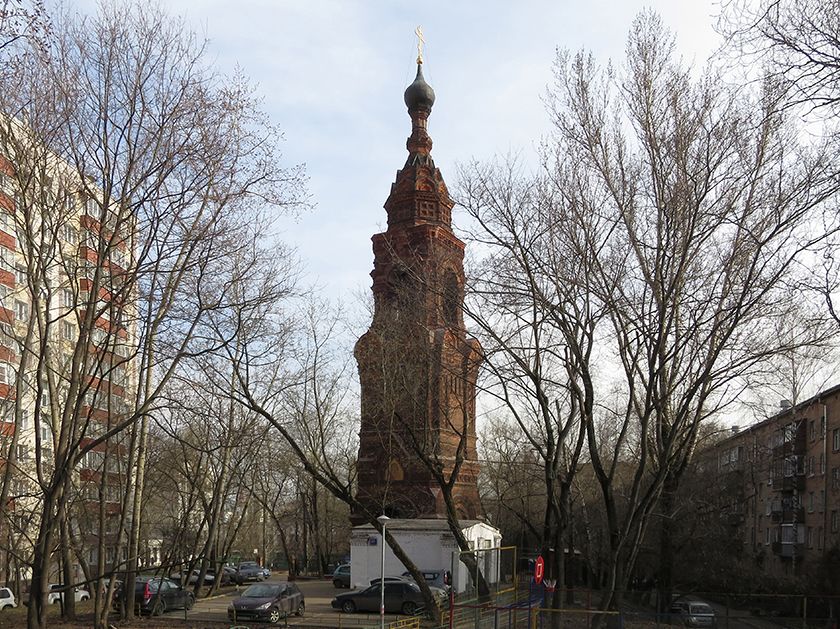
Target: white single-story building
{"points": [[430, 545]]}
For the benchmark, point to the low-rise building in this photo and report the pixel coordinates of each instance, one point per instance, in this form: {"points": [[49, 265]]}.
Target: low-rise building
{"points": [[779, 484]]}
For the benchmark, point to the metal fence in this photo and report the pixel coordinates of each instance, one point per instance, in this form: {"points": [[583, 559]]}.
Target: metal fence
{"points": [[518, 608]]}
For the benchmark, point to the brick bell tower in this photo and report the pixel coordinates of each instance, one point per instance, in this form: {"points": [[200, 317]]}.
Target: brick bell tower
{"points": [[417, 366]]}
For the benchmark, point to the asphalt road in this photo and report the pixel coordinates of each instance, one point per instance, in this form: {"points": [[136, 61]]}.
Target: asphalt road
{"points": [[317, 595]]}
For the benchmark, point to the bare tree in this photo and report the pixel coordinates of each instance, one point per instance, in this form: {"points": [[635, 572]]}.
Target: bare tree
{"points": [[798, 41], [677, 208], [536, 329], [164, 168]]}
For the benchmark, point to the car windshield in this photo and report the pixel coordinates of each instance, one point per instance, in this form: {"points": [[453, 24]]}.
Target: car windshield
{"points": [[263, 590], [700, 608]]}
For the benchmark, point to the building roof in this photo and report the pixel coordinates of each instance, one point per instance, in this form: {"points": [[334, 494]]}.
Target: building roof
{"points": [[785, 412], [422, 524]]}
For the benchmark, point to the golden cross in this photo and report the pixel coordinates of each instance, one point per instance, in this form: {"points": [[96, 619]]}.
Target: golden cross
{"points": [[420, 41]]}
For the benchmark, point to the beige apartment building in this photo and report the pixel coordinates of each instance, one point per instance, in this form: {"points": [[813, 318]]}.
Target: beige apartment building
{"points": [[52, 240], [780, 484]]}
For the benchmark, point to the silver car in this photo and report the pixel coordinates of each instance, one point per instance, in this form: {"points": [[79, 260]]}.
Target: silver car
{"points": [[693, 613]]}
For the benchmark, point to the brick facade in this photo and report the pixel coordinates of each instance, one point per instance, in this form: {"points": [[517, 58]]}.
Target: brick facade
{"points": [[417, 366], [782, 485]]}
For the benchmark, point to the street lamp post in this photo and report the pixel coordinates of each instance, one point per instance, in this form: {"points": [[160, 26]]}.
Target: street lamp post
{"points": [[382, 519]]}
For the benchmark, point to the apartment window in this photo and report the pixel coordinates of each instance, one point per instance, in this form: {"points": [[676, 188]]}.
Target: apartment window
{"points": [[45, 434], [20, 274], [834, 521], [70, 235], [91, 207], [68, 332], [820, 536], [835, 439], [811, 502], [21, 310], [119, 258], [7, 222], [7, 374], [4, 294], [835, 477], [767, 536], [98, 336], [7, 334], [7, 186], [822, 464], [118, 376], [810, 466], [22, 453], [23, 420], [809, 537], [7, 259], [67, 300], [812, 430]]}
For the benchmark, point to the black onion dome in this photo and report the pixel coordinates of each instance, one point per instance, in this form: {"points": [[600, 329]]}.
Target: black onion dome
{"points": [[419, 95]]}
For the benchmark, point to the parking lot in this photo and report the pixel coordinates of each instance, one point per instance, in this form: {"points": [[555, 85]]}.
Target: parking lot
{"points": [[317, 594]]}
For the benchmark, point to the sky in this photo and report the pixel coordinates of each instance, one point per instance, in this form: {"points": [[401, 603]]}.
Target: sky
{"points": [[333, 72]]}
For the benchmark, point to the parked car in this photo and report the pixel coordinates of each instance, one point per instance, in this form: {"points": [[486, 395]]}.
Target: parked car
{"points": [[226, 576], [7, 598], [249, 571], [192, 578], [440, 594], [155, 595], [401, 596], [341, 576], [56, 594], [435, 578], [267, 601], [692, 613], [391, 580]]}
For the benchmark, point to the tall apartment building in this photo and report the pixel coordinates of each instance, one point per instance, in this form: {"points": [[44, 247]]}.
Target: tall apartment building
{"points": [[779, 483], [67, 372]]}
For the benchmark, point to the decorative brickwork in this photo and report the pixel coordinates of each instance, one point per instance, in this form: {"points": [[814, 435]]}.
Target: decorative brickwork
{"points": [[417, 366]]}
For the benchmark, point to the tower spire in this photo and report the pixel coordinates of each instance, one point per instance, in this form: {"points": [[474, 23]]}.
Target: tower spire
{"points": [[419, 98]]}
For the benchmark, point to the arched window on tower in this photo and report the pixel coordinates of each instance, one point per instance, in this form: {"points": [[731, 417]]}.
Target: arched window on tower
{"points": [[451, 299], [395, 471]]}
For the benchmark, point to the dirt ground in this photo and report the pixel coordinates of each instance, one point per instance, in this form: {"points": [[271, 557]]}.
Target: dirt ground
{"points": [[16, 619]]}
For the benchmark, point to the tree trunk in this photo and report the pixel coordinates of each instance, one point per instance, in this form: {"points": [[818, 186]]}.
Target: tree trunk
{"points": [[68, 604], [36, 614], [665, 583]]}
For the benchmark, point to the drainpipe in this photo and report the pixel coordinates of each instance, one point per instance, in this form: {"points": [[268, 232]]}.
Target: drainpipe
{"points": [[825, 476]]}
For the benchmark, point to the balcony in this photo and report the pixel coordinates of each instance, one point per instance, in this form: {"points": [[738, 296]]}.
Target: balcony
{"points": [[789, 483], [788, 550], [788, 515]]}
